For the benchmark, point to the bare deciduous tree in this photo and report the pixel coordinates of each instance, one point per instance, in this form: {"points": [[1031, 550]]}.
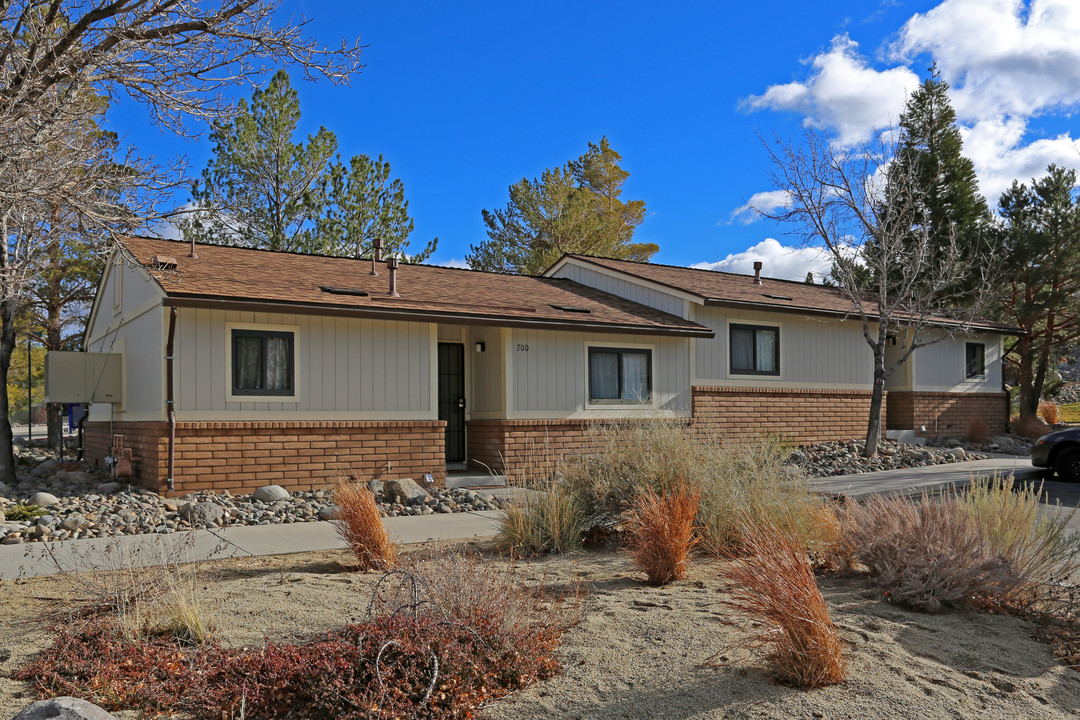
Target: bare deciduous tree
{"points": [[867, 213], [59, 61]]}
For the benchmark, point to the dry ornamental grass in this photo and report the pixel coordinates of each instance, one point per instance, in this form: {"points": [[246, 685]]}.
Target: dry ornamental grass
{"points": [[660, 532], [360, 525]]}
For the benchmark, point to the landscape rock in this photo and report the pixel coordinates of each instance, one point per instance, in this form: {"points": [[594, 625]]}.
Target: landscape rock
{"points": [[5, 491], [46, 467], [202, 513], [270, 494], [63, 708], [375, 486], [108, 487], [405, 491], [43, 499], [330, 512], [70, 476]]}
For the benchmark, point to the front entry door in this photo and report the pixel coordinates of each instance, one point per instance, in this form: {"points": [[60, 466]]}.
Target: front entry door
{"points": [[452, 398]]}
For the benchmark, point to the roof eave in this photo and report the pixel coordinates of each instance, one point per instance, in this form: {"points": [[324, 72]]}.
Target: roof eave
{"points": [[223, 303]]}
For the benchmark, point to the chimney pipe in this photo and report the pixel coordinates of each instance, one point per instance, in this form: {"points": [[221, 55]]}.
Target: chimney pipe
{"points": [[192, 254], [391, 265], [376, 255], [757, 272]]}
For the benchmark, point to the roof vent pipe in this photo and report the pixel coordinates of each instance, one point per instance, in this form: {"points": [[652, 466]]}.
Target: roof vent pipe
{"points": [[391, 265], [376, 255], [192, 254], [757, 272]]}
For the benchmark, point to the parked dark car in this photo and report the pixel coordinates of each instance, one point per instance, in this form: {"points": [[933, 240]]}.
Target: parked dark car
{"points": [[1061, 451]]}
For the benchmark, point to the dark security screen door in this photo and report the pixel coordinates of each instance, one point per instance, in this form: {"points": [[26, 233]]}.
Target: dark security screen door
{"points": [[452, 398]]}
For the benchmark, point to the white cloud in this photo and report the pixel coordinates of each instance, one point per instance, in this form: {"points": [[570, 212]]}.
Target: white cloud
{"points": [[1002, 57], [997, 149], [451, 263], [843, 93], [778, 261], [767, 202]]}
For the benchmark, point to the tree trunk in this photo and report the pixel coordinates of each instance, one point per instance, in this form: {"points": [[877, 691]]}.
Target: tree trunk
{"points": [[877, 399], [55, 424], [7, 346], [1029, 404]]}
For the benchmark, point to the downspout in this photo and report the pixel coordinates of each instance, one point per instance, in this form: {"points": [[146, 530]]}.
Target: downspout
{"points": [[169, 402]]}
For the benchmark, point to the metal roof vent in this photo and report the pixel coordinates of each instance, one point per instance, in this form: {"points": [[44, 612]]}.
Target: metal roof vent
{"points": [[757, 272], [572, 308], [343, 291], [392, 265], [776, 297], [163, 262]]}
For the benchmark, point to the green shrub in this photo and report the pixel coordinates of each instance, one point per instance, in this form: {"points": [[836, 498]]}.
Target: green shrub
{"points": [[18, 513]]}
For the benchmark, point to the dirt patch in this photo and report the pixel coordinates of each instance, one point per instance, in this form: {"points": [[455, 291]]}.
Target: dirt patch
{"points": [[638, 651]]}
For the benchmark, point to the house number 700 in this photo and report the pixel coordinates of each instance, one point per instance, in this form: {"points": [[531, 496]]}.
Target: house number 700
{"points": [[522, 348]]}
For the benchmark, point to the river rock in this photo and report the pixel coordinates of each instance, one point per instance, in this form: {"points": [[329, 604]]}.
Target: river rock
{"points": [[72, 476], [270, 494], [43, 499], [330, 512], [63, 708], [45, 467], [202, 513], [108, 487], [405, 491]]}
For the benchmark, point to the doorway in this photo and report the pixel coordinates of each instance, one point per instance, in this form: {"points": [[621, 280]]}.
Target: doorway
{"points": [[452, 398]]}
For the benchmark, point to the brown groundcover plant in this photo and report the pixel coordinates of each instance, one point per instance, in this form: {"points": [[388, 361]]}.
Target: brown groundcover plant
{"points": [[360, 525], [774, 585], [660, 532]]}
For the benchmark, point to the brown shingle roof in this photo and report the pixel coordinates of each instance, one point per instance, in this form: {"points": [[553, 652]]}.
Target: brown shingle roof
{"points": [[258, 278], [733, 289]]}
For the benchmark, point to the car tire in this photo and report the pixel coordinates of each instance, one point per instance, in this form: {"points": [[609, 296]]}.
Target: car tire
{"points": [[1067, 465]]}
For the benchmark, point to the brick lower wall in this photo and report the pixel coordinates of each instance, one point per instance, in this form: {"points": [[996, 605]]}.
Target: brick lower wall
{"points": [[944, 413], [242, 456], [525, 445], [797, 415]]}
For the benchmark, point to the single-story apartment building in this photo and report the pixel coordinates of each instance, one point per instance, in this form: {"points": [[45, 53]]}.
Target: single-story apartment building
{"points": [[244, 367]]}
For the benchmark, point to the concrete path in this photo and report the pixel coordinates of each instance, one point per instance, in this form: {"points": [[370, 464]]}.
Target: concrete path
{"points": [[35, 559], [914, 481]]}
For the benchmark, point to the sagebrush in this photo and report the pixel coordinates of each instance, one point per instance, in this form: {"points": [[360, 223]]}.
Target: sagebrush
{"points": [[773, 583]]}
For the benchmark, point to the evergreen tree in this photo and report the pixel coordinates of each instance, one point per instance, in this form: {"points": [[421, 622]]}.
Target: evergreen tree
{"points": [[261, 189], [363, 203], [1040, 230], [576, 208]]}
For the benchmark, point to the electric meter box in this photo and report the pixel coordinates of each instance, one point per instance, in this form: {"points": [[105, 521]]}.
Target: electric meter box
{"points": [[83, 377]]}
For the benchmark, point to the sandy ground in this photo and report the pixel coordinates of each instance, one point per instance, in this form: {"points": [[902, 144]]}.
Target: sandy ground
{"points": [[638, 650]]}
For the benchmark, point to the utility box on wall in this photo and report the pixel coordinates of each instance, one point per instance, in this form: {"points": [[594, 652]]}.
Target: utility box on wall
{"points": [[81, 377]]}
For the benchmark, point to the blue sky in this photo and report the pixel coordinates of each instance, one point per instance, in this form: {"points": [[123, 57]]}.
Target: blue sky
{"points": [[467, 98]]}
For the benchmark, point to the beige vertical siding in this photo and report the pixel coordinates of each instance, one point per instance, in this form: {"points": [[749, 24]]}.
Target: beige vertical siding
{"points": [[940, 367], [624, 288], [549, 378], [345, 368], [814, 352], [488, 388]]}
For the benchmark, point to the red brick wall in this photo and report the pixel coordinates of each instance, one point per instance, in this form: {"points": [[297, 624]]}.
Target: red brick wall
{"points": [[525, 445], [947, 413], [242, 456], [798, 415]]}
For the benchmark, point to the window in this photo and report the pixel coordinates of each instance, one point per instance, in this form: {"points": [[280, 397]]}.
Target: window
{"points": [[755, 350], [974, 360], [620, 376], [262, 362]]}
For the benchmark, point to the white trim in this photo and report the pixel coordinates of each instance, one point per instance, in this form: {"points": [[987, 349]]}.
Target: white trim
{"points": [[299, 368], [652, 405], [632, 279], [770, 379], [116, 276], [299, 415], [752, 381]]}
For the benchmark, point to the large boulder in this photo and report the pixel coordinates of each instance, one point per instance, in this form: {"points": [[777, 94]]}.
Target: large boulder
{"points": [[106, 488], [270, 494], [43, 499], [404, 491], [45, 468], [63, 708], [329, 512], [70, 476], [202, 513]]}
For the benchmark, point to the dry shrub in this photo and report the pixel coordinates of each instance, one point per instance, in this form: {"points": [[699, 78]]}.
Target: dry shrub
{"points": [[660, 452], [360, 525], [545, 518], [660, 532], [1029, 427], [1049, 412], [978, 430], [774, 585]]}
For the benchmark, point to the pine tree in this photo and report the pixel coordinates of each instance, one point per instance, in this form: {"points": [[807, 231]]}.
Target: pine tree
{"points": [[261, 189], [576, 208], [1040, 230], [363, 203]]}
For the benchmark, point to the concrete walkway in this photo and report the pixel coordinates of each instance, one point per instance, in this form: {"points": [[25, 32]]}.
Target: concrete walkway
{"points": [[914, 481], [36, 559]]}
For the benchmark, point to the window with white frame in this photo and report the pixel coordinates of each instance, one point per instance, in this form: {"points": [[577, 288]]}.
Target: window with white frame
{"points": [[755, 349], [974, 361], [262, 362], [620, 376]]}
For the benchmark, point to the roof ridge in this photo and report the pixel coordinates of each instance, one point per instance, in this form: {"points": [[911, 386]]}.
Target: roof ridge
{"points": [[694, 269]]}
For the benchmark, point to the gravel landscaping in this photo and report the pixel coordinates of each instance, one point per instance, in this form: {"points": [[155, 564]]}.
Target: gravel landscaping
{"points": [[845, 457]]}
